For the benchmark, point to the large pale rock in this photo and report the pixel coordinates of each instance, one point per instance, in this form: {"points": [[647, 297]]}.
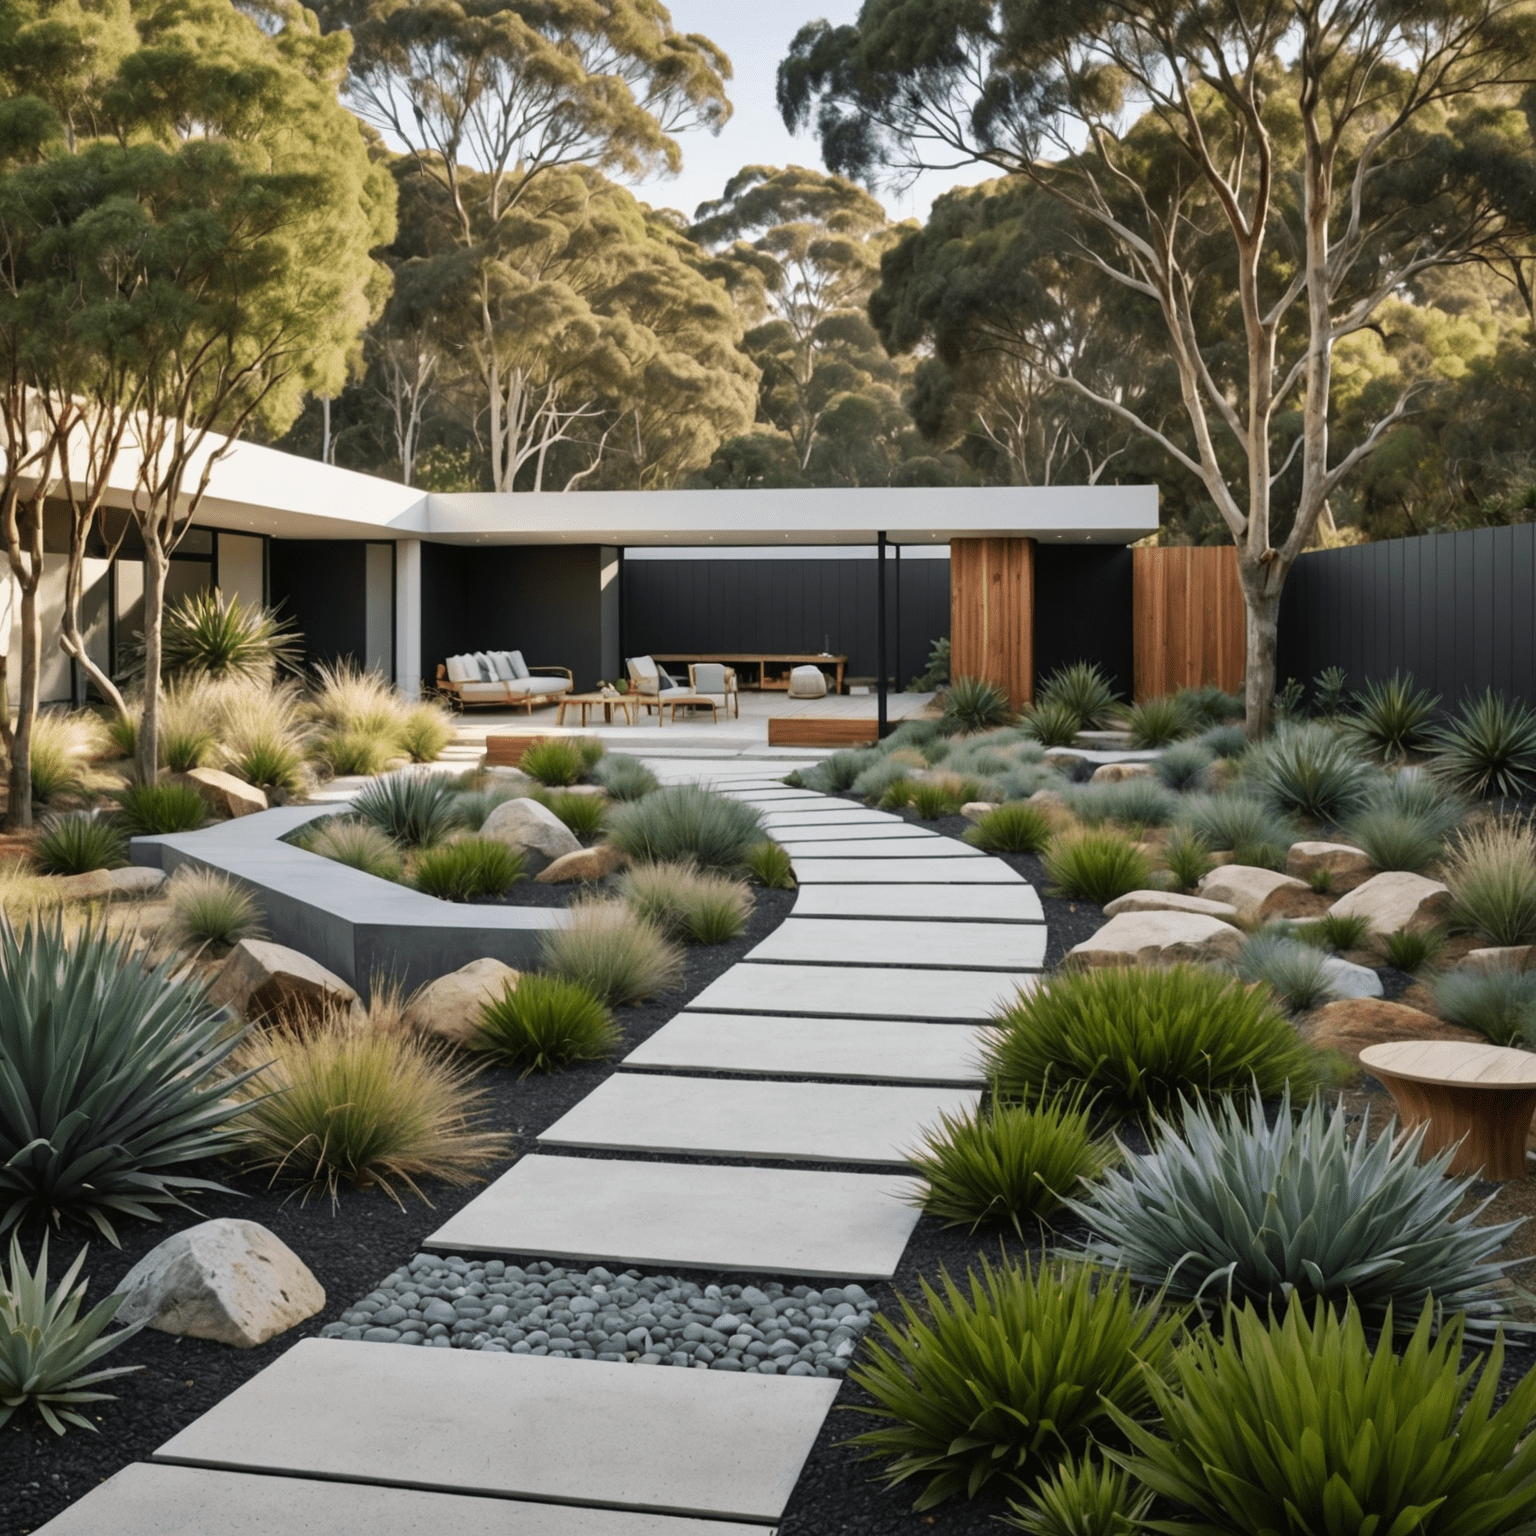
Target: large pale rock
{"points": [[262, 978], [1513, 957], [974, 810], [1397, 899], [532, 828], [1159, 938], [1051, 801], [1349, 867], [1352, 1024], [228, 1280], [586, 864], [1345, 979], [1118, 773], [1252, 891], [224, 794], [450, 1007], [136, 880], [1170, 901], [93, 885]]}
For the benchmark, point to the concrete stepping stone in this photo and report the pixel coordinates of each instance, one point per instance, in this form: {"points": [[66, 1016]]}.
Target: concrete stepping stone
{"points": [[860, 941], [817, 866], [882, 1050], [825, 812], [860, 831], [933, 903], [871, 992], [148, 1499], [719, 1117], [927, 845], [788, 1221], [467, 1421]]}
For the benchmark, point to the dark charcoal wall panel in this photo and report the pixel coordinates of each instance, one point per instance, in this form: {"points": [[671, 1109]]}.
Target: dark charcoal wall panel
{"points": [[321, 584], [1083, 610], [1452, 609]]}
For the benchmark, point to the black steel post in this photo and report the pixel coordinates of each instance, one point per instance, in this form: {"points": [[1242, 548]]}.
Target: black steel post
{"points": [[882, 680], [896, 671]]}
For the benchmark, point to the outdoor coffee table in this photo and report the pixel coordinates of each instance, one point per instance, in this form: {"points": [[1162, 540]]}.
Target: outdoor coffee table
{"points": [[1480, 1095], [607, 701], [686, 701]]}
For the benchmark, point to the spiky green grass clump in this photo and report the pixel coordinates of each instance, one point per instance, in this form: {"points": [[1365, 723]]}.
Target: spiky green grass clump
{"points": [[467, 869], [770, 865], [687, 902], [625, 777], [554, 762], [209, 908], [74, 843], [973, 704], [155, 810], [414, 809], [686, 822], [545, 1023], [1498, 1002], [1096, 867], [359, 845], [618, 956], [1294, 972], [1491, 872], [1011, 828]]}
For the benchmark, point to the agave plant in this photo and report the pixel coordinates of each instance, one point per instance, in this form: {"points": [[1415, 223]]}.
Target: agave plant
{"points": [[109, 1078], [1228, 1207], [1489, 749], [217, 636], [47, 1349], [1393, 718]]}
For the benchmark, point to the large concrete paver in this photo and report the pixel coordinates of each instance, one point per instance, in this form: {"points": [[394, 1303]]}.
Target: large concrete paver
{"points": [[720, 1117], [148, 1499], [880, 1050], [791, 1221], [926, 845], [880, 941], [705, 1443], [923, 903], [825, 831], [819, 864], [871, 992]]}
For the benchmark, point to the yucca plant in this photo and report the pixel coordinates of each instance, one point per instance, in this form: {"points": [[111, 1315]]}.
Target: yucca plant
{"points": [[1295, 973], [1157, 722], [1096, 866], [414, 809], [424, 732], [1085, 690], [583, 814], [1229, 1207], [208, 634], [545, 1023], [155, 810], [625, 777], [209, 908], [1412, 949], [1053, 723], [1185, 765], [1188, 857], [770, 865], [359, 845], [685, 822], [1498, 1002], [364, 1108], [1138, 1041], [1082, 1497], [1336, 931], [1491, 873], [1011, 828], [687, 902], [1393, 719], [1301, 1425], [111, 1077], [974, 704], [467, 869], [1310, 770], [1245, 825], [1488, 749], [47, 1349], [1003, 1376], [554, 762], [618, 956], [76, 842], [1012, 1161]]}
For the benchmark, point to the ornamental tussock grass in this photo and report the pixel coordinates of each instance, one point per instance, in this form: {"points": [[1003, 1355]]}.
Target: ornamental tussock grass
{"points": [[1096, 867], [424, 732], [467, 869], [78, 841], [472, 806], [1137, 1041], [1294, 972], [1228, 741], [1188, 857], [265, 734], [874, 781], [1129, 803], [1086, 1497], [1011, 828], [545, 1023], [1405, 822], [1301, 1424], [685, 822], [1498, 1002], [364, 753], [341, 1105], [359, 845], [998, 1166], [554, 762], [583, 814], [209, 908], [837, 774], [1053, 723], [686, 902], [1158, 722], [1491, 872], [153, 810], [1230, 1207], [414, 809], [1412, 949], [63, 745], [1185, 765], [26, 895], [625, 777], [189, 723], [1336, 931], [1001, 1377], [1241, 823], [770, 865], [349, 699], [620, 957]]}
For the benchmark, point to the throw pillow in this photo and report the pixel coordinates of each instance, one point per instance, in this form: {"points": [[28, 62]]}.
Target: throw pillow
{"points": [[519, 666]]}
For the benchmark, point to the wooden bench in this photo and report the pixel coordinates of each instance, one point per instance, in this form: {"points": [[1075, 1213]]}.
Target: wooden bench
{"points": [[808, 731], [1479, 1095], [762, 660], [506, 751]]}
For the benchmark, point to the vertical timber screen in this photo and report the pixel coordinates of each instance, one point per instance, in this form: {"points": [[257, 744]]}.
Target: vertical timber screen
{"points": [[1188, 621], [992, 617]]}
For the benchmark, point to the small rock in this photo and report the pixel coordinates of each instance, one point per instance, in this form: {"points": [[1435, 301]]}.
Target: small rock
{"points": [[1348, 866], [136, 880], [1352, 1024], [586, 864], [228, 1280], [450, 1006], [1158, 938], [1170, 901], [223, 793], [1252, 891], [1118, 773], [974, 810], [1397, 899], [531, 828], [1348, 980], [262, 978], [93, 885]]}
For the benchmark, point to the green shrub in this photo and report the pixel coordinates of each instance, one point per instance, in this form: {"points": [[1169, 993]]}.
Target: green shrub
{"points": [[973, 704], [1139, 1041], [47, 1350], [1011, 828], [1337, 931], [1185, 765], [770, 865], [546, 1023], [1225, 740], [110, 1078], [994, 1167], [1375, 1438], [554, 762], [625, 777], [209, 908], [1188, 857], [1084, 689], [1004, 1376], [77, 842], [836, 775], [620, 957], [1230, 1207], [1489, 749], [413, 809], [359, 845], [1411, 950], [1131, 802], [1295, 973], [1498, 1002], [363, 753], [583, 814], [1311, 770], [682, 900], [467, 869], [208, 634], [365, 1108], [159, 809], [425, 732], [1082, 1498], [686, 822], [1491, 873], [1053, 723], [1157, 722], [1096, 866], [1242, 824], [1393, 719]]}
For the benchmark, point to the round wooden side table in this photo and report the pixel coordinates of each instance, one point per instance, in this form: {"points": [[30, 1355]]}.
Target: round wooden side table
{"points": [[1480, 1095]]}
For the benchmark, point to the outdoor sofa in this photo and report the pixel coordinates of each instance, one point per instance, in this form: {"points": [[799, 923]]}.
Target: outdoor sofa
{"points": [[498, 679]]}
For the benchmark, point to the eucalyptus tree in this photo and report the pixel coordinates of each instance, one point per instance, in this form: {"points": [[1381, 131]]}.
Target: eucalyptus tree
{"points": [[1273, 169]]}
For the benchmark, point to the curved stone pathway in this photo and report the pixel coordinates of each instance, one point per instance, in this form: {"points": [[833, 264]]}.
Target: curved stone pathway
{"points": [[838, 1038]]}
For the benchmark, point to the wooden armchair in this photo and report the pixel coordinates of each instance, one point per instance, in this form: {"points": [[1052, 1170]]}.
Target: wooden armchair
{"points": [[714, 677]]}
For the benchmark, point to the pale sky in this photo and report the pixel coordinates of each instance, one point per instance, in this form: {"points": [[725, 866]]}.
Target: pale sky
{"points": [[756, 35]]}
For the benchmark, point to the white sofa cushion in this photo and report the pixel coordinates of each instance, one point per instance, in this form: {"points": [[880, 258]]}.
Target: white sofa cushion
{"points": [[486, 665], [519, 666], [502, 662], [462, 669], [521, 687], [496, 691]]}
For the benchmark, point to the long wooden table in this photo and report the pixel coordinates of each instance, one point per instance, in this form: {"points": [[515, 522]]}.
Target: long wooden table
{"points": [[762, 660]]}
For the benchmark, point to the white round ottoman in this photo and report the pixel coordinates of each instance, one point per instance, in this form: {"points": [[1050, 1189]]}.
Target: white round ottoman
{"points": [[807, 683]]}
